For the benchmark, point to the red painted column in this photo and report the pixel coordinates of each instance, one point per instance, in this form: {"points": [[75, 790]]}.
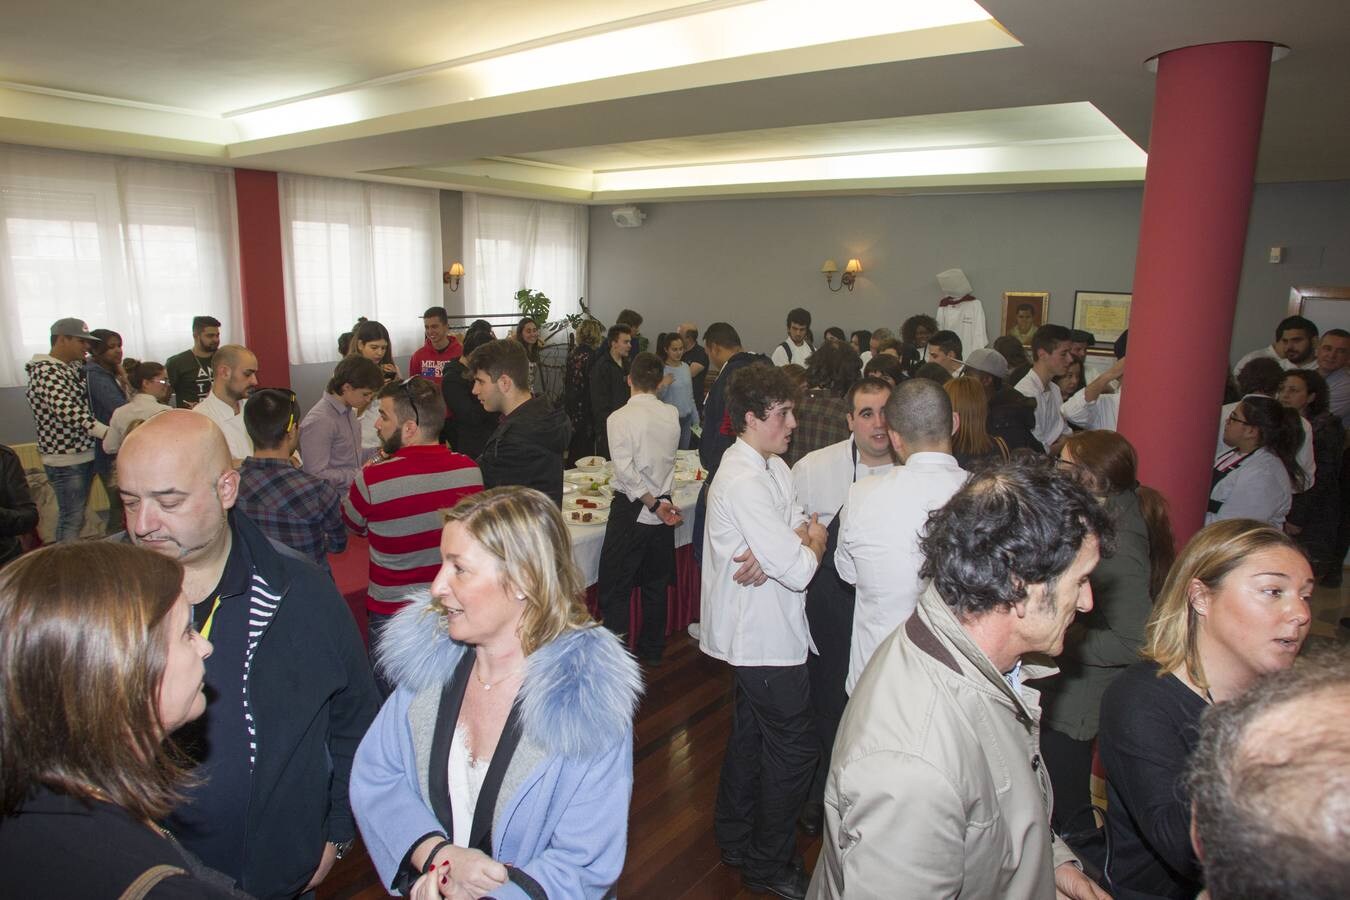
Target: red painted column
{"points": [[260, 274], [1197, 196]]}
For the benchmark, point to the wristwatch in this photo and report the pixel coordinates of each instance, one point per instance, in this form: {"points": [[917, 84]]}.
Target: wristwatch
{"points": [[343, 847]]}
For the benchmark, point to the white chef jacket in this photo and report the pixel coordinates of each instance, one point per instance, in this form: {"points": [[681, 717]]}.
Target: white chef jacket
{"points": [[1259, 489], [1101, 414], [822, 478], [751, 504], [644, 434], [879, 547], [230, 422], [1050, 422], [967, 320]]}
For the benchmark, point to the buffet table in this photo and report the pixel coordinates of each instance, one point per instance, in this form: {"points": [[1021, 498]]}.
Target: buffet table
{"points": [[350, 568]]}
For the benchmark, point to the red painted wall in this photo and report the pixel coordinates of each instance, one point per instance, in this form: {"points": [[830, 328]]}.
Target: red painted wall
{"points": [[260, 274]]}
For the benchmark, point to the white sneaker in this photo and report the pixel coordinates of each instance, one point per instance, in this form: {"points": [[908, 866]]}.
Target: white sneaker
{"points": [[694, 630]]}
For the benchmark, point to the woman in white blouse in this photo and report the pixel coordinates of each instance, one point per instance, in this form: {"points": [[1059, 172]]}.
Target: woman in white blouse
{"points": [[1257, 477], [151, 386]]}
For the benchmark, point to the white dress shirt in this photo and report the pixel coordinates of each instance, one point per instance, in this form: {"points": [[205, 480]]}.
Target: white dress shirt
{"points": [[750, 505], [822, 478], [796, 353], [1101, 414], [230, 422], [1259, 489], [1304, 457], [1050, 422], [140, 407], [879, 547], [1268, 352], [644, 434]]}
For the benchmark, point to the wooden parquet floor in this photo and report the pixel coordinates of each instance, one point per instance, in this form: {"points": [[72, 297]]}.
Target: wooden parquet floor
{"points": [[682, 728]]}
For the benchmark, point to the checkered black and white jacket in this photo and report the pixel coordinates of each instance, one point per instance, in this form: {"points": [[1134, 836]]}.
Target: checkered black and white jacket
{"points": [[59, 398]]}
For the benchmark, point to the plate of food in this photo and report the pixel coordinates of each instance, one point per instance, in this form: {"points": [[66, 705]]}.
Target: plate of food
{"points": [[587, 500], [585, 516], [591, 464]]}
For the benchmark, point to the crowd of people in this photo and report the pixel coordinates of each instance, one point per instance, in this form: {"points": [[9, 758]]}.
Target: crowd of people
{"points": [[947, 604]]}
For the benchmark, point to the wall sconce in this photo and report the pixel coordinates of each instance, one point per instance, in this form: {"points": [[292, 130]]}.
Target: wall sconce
{"points": [[452, 275], [846, 280]]}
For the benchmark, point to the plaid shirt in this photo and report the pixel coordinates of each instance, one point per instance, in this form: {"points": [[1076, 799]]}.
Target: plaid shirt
{"points": [[821, 421], [302, 511]]}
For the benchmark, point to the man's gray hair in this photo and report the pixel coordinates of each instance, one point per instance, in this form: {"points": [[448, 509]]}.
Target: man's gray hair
{"points": [[1270, 785]]}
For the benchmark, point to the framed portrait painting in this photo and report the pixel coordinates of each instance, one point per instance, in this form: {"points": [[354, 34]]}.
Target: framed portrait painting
{"points": [[1104, 313], [1023, 313]]}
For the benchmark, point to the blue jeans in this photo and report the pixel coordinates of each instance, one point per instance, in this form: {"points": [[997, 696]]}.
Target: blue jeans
{"points": [[71, 484]]}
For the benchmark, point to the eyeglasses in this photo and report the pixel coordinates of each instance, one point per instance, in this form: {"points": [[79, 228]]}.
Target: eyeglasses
{"points": [[1233, 417], [406, 387]]}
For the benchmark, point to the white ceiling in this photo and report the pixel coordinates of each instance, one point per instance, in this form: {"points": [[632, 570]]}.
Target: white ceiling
{"points": [[605, 101]]}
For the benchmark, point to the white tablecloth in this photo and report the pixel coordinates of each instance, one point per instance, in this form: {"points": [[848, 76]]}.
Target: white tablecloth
{"points": [[587, 540]]}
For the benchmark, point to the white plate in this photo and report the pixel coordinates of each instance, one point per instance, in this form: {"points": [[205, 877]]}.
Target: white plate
{"points": [[598, 516], [591, 464], [568, 487], [585, 479]]}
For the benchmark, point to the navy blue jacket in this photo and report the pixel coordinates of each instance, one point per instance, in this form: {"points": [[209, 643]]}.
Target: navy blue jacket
{"points": [[713, 443]]}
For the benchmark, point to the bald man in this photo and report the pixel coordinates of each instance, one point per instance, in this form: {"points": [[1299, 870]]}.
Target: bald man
{"points": [[289, 689], [236, 375]]}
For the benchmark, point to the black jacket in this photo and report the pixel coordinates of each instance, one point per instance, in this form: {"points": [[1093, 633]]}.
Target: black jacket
{"points": [[527, 448], [60, 846], [18, 512], [1012, 416], [609, 391], [713, 443], [467, 424], [312, 696]]}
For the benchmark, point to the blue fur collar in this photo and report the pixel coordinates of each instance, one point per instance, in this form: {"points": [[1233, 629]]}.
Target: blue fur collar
{"points": [[578, 697]]}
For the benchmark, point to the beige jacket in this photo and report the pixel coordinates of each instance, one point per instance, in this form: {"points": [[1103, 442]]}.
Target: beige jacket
{"points": [[936, 786]]}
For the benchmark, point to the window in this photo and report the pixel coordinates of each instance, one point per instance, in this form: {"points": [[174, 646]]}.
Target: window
{"points": [[137, 246], [352, 249], [512, 244]]}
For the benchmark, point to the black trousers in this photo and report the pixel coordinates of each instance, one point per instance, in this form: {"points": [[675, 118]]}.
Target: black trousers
{"points": [[1068, 762], [829, 612], [767, 769], [642, 555]]}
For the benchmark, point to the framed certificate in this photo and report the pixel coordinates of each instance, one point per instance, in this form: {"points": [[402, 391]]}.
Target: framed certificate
{"points": [[1104, 313]]}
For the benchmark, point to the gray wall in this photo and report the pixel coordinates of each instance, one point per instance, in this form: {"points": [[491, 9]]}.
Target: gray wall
{"points": [[749, 261]]}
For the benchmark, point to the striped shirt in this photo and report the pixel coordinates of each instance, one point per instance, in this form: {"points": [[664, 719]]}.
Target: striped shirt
{"points": [[397, 504]]}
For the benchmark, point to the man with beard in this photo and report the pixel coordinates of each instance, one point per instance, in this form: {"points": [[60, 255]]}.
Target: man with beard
{"points": [[396, 502], [1294, 346], [288, 685], [190, 373], [236, 375]]}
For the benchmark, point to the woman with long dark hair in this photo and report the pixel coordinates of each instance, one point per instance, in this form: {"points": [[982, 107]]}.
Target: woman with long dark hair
{"points": [[527, 335], [95, 674], [1102, 643], [1316, 512], [108, 390], [1257, 477], [371, 340], [677, 386]]}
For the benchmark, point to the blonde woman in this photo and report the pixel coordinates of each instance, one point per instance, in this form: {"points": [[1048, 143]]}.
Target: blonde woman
{"points": [[1233, 608], [503, 764]]}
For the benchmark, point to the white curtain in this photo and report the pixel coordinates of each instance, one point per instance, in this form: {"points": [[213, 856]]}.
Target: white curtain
{"points": [[512, 244], [356, 248], [134, 245]]}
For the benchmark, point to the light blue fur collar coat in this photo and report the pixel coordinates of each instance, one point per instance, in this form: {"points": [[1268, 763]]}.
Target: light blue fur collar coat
{"points": [[562, 810]]}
